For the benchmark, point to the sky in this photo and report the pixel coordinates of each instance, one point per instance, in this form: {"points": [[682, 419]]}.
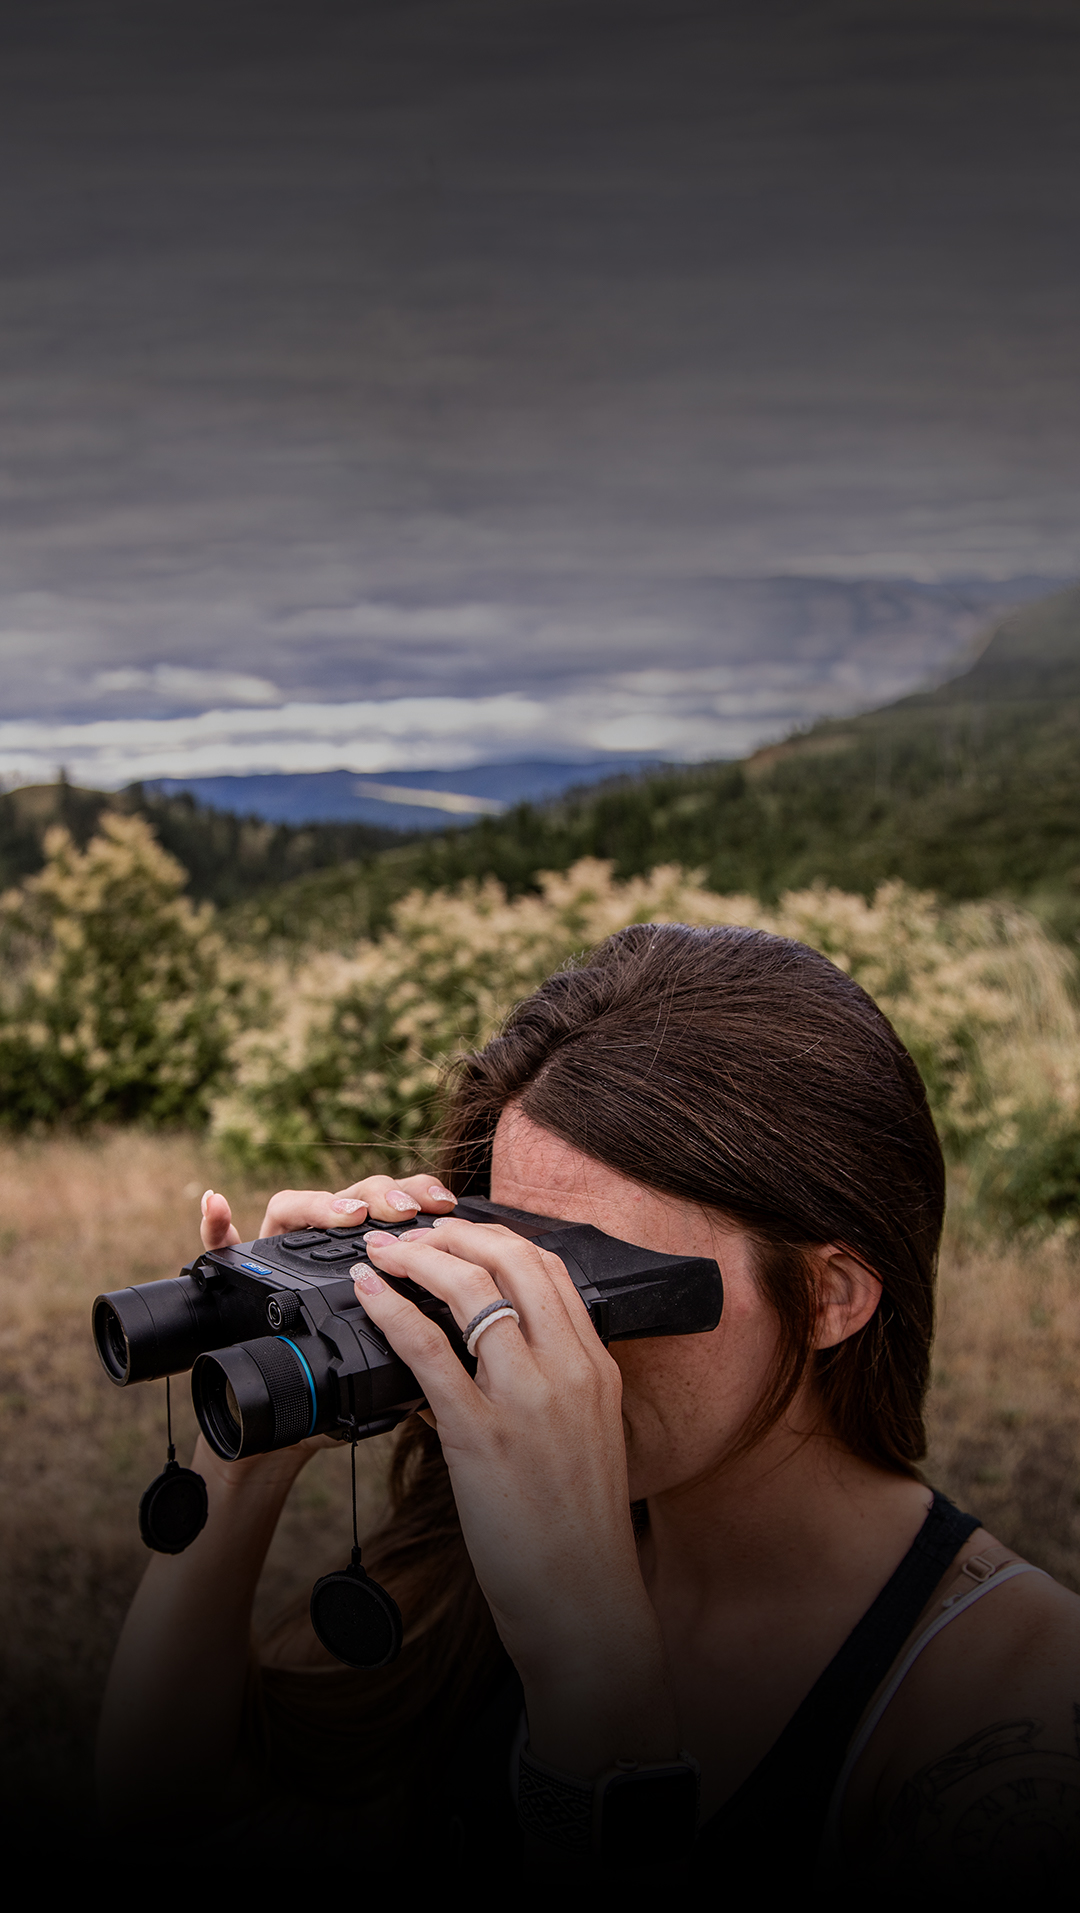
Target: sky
{"points": [[390, 384]]}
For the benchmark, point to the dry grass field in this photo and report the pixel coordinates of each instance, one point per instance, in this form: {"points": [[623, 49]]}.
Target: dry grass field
{"points": [[77, 1217]]}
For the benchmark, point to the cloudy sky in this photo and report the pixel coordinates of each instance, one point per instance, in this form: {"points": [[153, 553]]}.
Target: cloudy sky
{"points": [[397, 383]]}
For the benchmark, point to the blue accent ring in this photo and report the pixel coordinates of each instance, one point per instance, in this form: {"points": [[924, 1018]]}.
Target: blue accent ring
{"points": [[310, 1379]]}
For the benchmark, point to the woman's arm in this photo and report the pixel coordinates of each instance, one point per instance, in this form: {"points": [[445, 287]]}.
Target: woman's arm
{"points": [[537, 1458], [175, 1696], [973, 1778]]}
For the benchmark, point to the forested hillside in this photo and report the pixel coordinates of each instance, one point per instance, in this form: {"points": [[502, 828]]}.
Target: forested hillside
{"points": [[226, 857], [971, 790]]}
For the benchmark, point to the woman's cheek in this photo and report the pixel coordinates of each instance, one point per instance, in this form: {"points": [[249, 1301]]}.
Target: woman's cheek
{"points": [[673, 1411], [686, 1398]]}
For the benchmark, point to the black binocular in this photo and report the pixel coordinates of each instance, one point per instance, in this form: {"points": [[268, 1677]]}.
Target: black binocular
{"points": [[279, 1347]]}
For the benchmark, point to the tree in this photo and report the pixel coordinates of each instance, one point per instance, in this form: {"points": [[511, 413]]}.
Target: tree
{"points": [[117, 1003]]}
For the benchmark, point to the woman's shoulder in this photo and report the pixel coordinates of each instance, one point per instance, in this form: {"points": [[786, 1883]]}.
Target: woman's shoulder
{"points": [[971, 1768]]}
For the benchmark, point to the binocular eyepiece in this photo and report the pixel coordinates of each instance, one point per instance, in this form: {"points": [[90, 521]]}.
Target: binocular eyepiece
{"points": [[279, 1347]]}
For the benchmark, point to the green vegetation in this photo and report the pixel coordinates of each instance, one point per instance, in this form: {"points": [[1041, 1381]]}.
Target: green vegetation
{"points": [[931, 848], [119, 1002], [225, 858], [345, 1074], [972, 790]]}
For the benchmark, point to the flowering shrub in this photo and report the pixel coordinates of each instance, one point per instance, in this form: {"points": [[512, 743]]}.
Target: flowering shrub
{"points": [[346, 1075], [349, 1072], [120, 1002], [116, 1002]]}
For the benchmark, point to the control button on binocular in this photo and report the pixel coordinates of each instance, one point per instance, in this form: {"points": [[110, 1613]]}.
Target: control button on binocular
{"points": [[283, 1309]]}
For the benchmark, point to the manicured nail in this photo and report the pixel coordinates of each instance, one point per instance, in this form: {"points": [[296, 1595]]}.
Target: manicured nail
{"points": [[439, 1194], [380, 1237], [346, 1206], [397, 1199], [206, 1199], [369, 1283]]}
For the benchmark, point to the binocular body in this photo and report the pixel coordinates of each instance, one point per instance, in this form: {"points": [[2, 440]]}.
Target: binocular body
{"points": [[279, 1348]]}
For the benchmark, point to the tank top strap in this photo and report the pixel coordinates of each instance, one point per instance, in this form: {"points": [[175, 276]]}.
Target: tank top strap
{"points": [[791, 1787]]}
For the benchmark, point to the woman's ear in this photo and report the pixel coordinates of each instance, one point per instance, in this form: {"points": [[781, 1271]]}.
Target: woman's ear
{"points": [[850, 1292]]}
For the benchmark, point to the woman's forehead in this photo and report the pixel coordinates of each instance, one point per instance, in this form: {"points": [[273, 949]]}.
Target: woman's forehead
{"points": [[535, 1170], [528, 1152]]}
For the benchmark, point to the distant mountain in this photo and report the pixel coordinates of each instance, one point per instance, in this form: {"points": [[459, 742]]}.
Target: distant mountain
{"points": [[239, 837], [392, 800], [972, 789], [969, 790]]}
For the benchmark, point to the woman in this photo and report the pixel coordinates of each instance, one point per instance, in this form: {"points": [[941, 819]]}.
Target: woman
{"points": [[705, 1561]]}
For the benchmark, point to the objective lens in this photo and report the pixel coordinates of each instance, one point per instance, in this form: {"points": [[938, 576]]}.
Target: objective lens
{"points": [[253, 1397], [225, 1414]]}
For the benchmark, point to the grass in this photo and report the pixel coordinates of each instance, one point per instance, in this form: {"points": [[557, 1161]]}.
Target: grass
{"points": [[78, 1217], [1004, 1411]]}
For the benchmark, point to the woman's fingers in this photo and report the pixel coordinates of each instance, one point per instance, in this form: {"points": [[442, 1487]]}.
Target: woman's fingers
{"points": [[492, 1265], [310, 1209], [390, 1200], [216, 1228], [381, 1197], [533, 1279], [464, 1287], [423, 1346]]}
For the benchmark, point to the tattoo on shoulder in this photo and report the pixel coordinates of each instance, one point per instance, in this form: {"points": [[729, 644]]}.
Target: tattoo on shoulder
{"points": [[998, 1805]]}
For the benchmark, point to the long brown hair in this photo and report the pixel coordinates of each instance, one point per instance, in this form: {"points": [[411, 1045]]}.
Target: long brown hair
{"points": [[741, 1071], [745, 1072]]}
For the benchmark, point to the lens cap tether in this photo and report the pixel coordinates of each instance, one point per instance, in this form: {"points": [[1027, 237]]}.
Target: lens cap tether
{"points": [[356, 1620], [173, 1509]]}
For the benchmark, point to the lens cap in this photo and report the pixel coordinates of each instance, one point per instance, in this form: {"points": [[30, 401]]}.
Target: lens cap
{"points": [[355, 1619], [173, 1510]]}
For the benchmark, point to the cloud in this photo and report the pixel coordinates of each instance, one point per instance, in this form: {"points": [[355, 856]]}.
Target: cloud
{"points": [[179, 684], [394, 622], [723, 711]]}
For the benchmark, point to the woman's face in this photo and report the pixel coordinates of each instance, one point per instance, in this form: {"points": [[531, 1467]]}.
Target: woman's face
{"points": [[685, 1397]]}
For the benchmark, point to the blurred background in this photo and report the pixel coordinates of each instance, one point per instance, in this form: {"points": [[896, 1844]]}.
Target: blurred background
{"points": [[475, 473]]}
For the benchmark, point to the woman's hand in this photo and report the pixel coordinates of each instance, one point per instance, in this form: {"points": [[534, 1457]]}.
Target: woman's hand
{"points": [[380, 1197], [537, 1459]]}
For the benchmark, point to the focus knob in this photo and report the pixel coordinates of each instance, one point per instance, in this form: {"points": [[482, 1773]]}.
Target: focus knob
{"points": [[283, 1310]]}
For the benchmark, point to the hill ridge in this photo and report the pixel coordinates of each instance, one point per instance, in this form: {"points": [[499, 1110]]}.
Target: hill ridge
{"points": [[969, 789]]}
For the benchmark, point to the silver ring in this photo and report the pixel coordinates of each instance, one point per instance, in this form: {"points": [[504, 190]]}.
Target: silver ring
{"points": [[495, 1312]]}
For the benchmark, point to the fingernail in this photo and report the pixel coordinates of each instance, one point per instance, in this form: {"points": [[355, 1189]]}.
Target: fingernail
{"points": [[439, 1194], [206, 1199], [369, 1283], [346, 1206], [380, 1237], [397, 1199]]}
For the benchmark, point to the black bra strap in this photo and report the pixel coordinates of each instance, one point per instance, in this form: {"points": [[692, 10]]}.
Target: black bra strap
{"points": [[792, 1786]]}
